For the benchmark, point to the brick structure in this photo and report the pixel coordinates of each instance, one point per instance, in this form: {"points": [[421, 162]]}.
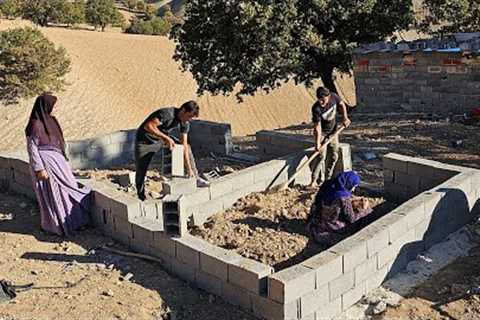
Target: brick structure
{"points": [[437, 199], [438, 76]]}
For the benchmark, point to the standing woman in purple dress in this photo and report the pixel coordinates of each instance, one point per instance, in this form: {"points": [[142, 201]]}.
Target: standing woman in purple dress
{"points": [[64, 206]]}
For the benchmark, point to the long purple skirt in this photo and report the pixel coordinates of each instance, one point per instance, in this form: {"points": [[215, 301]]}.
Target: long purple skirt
{"points": [[64, 206]]}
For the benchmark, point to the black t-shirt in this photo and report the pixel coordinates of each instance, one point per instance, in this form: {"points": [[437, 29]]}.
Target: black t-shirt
{"points": [[327, 116], [169, 120]]}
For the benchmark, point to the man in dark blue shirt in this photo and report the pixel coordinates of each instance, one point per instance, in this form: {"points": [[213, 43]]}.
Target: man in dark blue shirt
{"points": [[154, 134]]}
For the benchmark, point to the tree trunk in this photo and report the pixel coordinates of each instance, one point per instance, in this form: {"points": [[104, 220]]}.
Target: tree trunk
{"points": [[326, 73]]}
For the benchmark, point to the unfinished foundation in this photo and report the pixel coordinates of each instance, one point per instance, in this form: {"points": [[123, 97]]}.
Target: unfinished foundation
{"points": [[436, 200]]}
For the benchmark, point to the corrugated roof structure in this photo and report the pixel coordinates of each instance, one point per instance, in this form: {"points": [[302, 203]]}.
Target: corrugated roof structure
{"points": [[458, 42]]}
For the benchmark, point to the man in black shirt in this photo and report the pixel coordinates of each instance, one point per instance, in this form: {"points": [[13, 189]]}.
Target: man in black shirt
{"points": [[324, 118], [153, 135]]}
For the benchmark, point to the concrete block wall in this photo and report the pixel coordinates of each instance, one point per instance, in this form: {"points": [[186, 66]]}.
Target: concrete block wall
{"points": [[104, 151], [405, 178], [208, 136], [331, 282], [117, 148], [320, 287], [15, 173], [272, 144], [417, 82]]}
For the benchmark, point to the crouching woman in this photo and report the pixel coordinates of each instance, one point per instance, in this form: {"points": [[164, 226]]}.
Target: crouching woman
{"points": [[335, 209]]}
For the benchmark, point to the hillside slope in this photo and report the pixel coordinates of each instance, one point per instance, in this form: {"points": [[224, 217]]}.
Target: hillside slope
{"points": [[118, 79]]}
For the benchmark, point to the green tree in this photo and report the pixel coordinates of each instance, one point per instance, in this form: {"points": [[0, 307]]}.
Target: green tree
{"points": [[74, 13], [155, 26], [140, 5], [101, 13], [29, 64], [131, 4], [448, 16], [37, 11], [11, 9], [45, 12], [260, 44]]}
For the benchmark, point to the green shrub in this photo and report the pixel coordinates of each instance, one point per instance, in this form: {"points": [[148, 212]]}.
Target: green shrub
{"points": [[29, 64], [11, 9], [154, 26]]}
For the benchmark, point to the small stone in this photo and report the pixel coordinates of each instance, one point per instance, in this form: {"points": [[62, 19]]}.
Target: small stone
{"points": [[34, 272], [111, 266], [380, 307], [211, 299], [108, 293], [23, 205], [127, 277]]}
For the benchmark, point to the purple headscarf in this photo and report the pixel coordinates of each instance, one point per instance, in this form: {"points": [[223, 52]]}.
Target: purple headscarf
{"points": [[43, 126], [339, 187]]}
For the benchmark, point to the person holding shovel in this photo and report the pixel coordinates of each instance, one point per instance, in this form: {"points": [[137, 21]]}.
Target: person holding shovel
{"points": [[324, 118]]}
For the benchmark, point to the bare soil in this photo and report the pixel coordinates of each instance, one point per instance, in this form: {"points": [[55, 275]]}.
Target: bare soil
{"points": [[73, 282], [444, 296], [270, 227]]}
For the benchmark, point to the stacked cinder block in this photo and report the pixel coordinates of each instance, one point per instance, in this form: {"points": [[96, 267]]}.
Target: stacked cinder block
{"points": [[404, 178], [15, 173], [117, 148], [273, 144], [208, 136], [439, 82], [103, 151], [329, 283]]}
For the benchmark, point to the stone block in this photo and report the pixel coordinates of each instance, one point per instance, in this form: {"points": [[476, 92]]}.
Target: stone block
{"points": [[397, 226], [407, 180], [215, 261], [290, 284], [200, 196], [388, 176], [331, 310], [351, 297], [340, 285], [328, 266], [353, 250], [175, 215], [378, 238], [152, 209], [208, 283], [164, 244], [378, 278], [122, 230], [312, 301], [204, 211], [365, 270], [124, 206], [142, 238], [179, 186], [183, 271], [395, 162], [188, 250], [220, 187], [241, 179], [268, 309], [414, 210], [127, 179], [237, 296], [250, 275]]}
